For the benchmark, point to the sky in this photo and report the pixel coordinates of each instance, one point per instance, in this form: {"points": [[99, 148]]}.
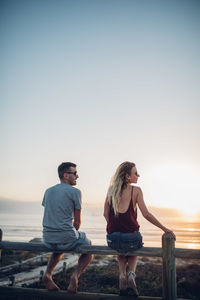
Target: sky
{"points": [[98, 83]]}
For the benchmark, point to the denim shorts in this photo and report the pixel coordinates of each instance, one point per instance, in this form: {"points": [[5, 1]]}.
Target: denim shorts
{"points": [[81, 241], [124, 242]]}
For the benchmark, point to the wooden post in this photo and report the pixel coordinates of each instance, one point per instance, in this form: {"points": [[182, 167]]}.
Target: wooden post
{"points": [[19, 265], [12, 280], [169, 267], [64, 269], [1, 235], [41, 275]]}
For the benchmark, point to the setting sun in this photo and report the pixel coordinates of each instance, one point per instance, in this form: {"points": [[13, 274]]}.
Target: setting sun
{"points": [[175, 186]]}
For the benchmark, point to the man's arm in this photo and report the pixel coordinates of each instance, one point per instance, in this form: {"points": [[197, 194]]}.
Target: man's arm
{"points": [[77, 218]]}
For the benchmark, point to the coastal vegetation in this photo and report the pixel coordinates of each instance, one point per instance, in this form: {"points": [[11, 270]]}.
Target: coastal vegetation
{"points": [[102, 277]]}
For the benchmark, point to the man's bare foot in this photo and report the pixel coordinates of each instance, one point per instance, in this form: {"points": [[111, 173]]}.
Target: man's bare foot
{"points": [[73, 285], [49, 283]]}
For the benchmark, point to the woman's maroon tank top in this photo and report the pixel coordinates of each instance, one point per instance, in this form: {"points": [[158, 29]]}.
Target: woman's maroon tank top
{"points": [[123, 222]]}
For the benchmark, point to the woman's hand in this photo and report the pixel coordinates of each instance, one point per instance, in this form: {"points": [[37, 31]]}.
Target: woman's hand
{"points": [[170, 231]]}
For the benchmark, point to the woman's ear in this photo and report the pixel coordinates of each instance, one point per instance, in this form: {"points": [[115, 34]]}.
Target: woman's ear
{"points": [[127, 178]]}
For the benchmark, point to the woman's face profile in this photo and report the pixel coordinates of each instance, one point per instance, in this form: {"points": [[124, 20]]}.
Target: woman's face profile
{"points": [[133, 177]]}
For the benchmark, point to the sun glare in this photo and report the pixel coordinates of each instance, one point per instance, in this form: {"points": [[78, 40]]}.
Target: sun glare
{"points": [[174, 186], [192, 246], [190, 229]]}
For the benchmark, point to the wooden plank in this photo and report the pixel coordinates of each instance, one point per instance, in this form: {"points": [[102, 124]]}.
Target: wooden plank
{"points": [[7, 292], [105, 250], [169, 267], [101, 250], [187, 253], [1, 235], [44, 294]]}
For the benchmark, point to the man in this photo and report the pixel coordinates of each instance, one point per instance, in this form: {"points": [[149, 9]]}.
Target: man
{"points": [[61, 221]]}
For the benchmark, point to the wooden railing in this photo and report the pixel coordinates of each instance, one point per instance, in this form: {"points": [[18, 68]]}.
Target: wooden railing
{"points": [[168, 252]]}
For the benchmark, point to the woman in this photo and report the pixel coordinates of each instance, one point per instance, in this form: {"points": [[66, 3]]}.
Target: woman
{"points": [[120, 212]]}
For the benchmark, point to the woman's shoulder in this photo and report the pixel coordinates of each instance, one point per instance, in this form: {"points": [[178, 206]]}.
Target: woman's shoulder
{"points": [[137, 190]]}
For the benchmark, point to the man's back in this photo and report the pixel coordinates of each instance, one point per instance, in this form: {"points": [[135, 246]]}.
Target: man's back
{"points": [[59, 203], [62, 206]]}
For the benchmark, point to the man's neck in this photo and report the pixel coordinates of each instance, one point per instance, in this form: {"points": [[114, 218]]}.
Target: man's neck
{"points": [[65, 181]]}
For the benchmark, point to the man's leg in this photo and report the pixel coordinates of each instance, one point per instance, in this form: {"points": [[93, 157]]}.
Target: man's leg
{"points": [[83, 262], [47, 278]]}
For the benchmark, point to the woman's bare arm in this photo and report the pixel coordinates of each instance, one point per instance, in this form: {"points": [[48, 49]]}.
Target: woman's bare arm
{"points": [[106, 210], [147, 215]]}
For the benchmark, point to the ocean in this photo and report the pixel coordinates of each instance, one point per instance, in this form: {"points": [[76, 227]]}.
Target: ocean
{"points": [[26, 226]]}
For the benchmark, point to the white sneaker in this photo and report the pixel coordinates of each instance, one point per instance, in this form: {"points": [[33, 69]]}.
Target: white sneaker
{"points": [[132, 288]]}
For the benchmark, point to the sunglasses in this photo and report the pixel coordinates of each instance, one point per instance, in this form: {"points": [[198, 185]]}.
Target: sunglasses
{"points": [[74, 173]]}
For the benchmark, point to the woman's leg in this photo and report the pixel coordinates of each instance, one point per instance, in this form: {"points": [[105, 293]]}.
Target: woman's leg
{"points": [[122, 261], [132, 264]]}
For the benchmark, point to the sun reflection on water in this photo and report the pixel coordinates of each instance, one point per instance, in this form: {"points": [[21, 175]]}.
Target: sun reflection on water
{"points": [[192, 246]]}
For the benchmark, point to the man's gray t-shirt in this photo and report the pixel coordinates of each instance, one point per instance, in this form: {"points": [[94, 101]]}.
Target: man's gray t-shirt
{"points": [[59, 203]]}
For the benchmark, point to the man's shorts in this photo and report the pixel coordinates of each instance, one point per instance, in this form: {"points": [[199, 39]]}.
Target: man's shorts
{"points": [[124, 242], [81, 241]]}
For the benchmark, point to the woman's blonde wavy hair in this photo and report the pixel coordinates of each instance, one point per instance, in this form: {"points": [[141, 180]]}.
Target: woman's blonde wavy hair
{"points": [[118, 183]]}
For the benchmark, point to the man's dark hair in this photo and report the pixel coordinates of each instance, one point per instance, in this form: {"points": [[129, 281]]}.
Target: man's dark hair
{"points": [[64, 167]]}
